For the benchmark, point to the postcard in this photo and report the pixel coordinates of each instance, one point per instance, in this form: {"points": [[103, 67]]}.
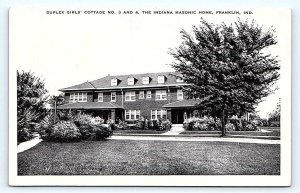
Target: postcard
{"points": [[149, 97]]}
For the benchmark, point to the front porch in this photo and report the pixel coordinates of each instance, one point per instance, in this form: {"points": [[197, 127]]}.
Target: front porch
{"points": [[179, 111], [105, 110]]}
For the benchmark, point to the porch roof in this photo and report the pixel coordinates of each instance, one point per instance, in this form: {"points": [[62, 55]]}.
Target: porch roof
{"points": [[183, 103], [90, 105]]}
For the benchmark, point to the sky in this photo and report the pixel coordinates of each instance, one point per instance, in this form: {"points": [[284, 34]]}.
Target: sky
{"points": [[68, 49]]}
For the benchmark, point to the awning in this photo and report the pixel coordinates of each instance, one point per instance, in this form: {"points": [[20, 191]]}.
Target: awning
{"points": [[183, 103], [90, 105]]}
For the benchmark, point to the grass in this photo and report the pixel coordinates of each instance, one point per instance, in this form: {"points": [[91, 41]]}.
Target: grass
{"points": [[125, 157], [138, 132], [248, 133]]}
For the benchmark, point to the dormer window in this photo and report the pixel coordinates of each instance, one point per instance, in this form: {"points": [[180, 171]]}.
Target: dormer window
{"points": [[114, 82], [179, 78], [161, 79], [146, 80], [130, 81]]}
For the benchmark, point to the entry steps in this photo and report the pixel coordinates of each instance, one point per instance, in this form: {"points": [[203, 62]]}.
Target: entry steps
{"points": [[175, 130]]}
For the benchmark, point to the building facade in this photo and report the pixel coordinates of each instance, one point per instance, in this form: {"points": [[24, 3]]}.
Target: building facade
{"points": [[130, 97]]}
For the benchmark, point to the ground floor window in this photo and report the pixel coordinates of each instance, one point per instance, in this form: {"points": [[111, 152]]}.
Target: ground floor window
{"points": [[158, 114], [132, 114]]}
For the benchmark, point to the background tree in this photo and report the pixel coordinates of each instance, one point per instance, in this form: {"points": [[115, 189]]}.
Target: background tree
{"points": [[31, 102], [59, 99], [226, 65], [275, 115]]}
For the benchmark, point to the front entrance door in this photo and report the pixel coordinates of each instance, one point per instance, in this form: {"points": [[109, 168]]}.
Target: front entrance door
{"points": [[177, 116]]}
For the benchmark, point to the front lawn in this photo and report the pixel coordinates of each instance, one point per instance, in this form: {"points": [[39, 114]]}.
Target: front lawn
{"points": [[229, 133], [135, 131], [122, 157]]}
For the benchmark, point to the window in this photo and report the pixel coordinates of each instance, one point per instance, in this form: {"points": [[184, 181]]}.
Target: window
{"points": [[149, 94], [130, 81], [161, 79], [113, 96], [146, 80], [132, 114], [114, 82], [100, 97], [179, 94], [71, 98], [161, 95], [158, 114], [78, 97], [179, 78], [141, 95], [130, 96]]}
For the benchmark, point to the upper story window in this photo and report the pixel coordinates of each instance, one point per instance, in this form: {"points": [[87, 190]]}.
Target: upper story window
{"points": [[114, 82], [130, 81], [146, 80], [78, 97], [179, 78], [113, 96], [100, 97], [141, 95], [130, 96], [149, 94], [161, 79], [179, 94], [161, 95]]}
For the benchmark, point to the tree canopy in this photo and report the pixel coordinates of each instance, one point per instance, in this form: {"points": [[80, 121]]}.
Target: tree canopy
{"points": [[226, 65]]}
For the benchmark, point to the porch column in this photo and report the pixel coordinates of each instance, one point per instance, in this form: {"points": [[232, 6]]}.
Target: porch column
{"points": [[169, 115], [113, 115]]}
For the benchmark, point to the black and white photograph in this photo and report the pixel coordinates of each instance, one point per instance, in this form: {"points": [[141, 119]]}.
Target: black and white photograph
{"points": [[149, 97]]}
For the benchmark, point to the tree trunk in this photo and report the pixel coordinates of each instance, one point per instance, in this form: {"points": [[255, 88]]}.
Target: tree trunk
{"points": [[223, 123], [54, 120]]}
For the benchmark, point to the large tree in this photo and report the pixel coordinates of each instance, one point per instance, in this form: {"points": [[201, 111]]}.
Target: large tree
{"points": [[226, 65], [31, 100]]}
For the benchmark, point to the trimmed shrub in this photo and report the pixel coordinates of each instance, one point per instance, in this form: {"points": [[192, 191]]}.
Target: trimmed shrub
{"points": [[44, 127], [166, 124], [86, 131], [101, 132], [122, 125], [230, 127], [111, 124], [249, 127], [92, 128], [141, 124], [236, 122], [202, 124], [86, 119], [64, 131], [24, 134], [66, 115], [153, 124]]}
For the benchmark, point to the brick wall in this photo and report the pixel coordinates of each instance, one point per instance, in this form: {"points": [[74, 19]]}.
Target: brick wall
{"points": [[144, 105]]}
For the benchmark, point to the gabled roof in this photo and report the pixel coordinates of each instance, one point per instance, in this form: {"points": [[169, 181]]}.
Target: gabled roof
{"points": [[90, 105], [183, 103], [105, 82]]}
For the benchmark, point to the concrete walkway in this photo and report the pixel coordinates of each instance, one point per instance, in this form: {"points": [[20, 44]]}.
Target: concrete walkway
{"points": [[234, 140], [29, 144], [175, 130]]}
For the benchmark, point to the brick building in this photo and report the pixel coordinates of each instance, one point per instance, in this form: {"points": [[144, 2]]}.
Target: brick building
{"points": [[129, 97]]}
